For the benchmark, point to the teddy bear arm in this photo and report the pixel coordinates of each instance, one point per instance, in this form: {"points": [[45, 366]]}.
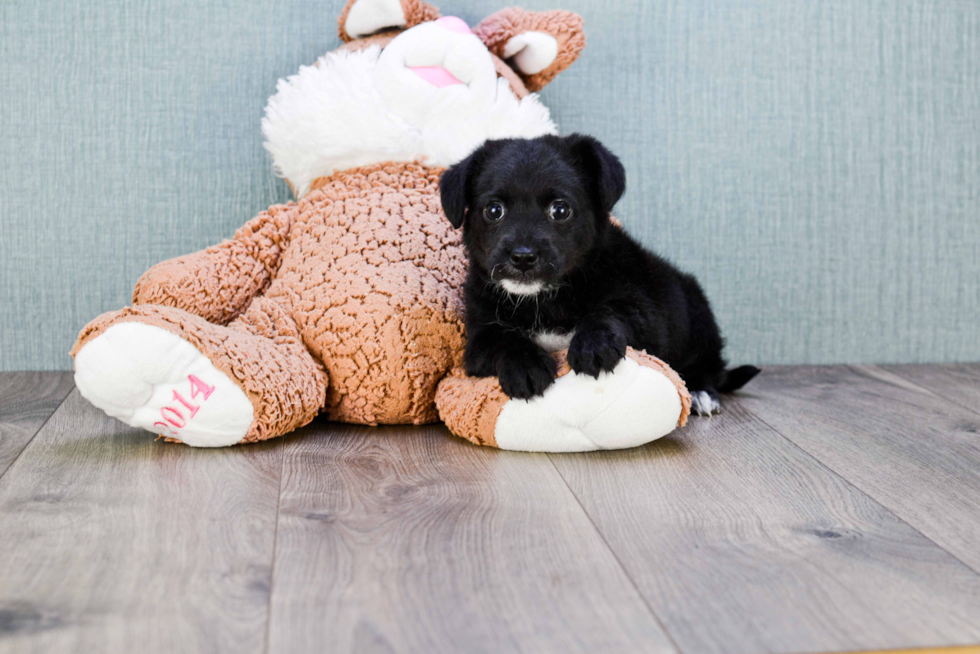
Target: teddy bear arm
{"points": [[219, 282]]}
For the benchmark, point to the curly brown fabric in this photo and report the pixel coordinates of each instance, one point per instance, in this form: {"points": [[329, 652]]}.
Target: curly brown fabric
{"points": [[219, 282], [262, 352], [416, 12], [567, 27], [469, 406], [375, 273], [363, 274]]}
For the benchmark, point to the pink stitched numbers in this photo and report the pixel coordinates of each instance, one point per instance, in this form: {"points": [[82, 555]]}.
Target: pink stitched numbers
{"points": [[199, 387], [176, 414], [190, 407]]}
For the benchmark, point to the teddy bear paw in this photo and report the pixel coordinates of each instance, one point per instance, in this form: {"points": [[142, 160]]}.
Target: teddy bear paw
{"points": [[629, 406], [151, 378]]}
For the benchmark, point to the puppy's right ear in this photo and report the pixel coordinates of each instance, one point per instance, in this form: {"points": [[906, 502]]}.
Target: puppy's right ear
{"points": [[454, 188]]}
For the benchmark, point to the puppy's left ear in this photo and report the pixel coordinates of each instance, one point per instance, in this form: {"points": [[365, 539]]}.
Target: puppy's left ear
{"points": [[601, 167], [453, 188]]}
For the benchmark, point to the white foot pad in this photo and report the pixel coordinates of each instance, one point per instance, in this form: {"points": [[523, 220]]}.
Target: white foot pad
{"points": [[148, 377], [629, 406]]}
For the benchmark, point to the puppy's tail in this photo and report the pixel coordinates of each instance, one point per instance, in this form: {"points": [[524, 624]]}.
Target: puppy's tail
{"points": [[736, 378]]}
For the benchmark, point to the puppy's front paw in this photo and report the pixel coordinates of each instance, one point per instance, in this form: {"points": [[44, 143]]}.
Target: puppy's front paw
{"points": [[527, 374], [479, 361], [595, 351]]}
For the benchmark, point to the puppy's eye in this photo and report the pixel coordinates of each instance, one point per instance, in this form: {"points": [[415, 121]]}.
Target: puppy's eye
{"points": [[560, 211], [494, 211]]}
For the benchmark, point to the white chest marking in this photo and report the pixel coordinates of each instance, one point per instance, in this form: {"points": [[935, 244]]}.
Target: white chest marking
{"points": [[553, 341]]}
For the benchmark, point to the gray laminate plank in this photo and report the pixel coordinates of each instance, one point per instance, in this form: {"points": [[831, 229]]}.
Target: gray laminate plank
{"points": [[914, 452], [27, 399], [741, 542], [406, 539], [957, 382], [112, 542]]}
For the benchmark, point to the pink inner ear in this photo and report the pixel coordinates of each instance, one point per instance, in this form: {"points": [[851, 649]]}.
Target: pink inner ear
{"points": [[435, 75], [454, 24]]}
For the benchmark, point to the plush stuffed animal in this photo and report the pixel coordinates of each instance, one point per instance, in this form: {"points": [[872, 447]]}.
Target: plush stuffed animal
{"points": [[348, 301]]}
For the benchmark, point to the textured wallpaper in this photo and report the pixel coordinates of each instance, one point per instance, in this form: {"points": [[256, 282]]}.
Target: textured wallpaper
{"points": [[815, 162]]}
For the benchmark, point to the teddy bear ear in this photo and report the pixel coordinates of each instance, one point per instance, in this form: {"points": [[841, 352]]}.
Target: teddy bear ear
{"points": [[537, 44], [362, 18]]}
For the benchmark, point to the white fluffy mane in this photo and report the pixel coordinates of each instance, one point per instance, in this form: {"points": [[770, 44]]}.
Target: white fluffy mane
{"points": [[331, 117]]}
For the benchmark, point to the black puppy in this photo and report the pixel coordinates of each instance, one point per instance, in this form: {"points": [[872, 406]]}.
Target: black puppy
{"points": [[548, 270]]}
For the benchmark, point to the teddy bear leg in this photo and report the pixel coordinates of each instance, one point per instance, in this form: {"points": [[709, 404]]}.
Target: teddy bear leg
{"points": [[177, 375], [641, 400]]}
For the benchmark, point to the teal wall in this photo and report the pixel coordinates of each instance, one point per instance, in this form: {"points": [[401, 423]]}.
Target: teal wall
{"points": [[815, 162]]}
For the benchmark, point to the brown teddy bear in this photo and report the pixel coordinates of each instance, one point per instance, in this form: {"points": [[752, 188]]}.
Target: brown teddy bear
{"points": [[347, 302]]}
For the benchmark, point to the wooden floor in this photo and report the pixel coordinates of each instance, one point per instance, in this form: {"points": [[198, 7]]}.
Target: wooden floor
{"points": [[827, 509]]}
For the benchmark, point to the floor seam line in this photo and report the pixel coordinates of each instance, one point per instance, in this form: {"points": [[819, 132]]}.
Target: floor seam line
{"points": [[825, 466], [275, 544], [930, 391], [38, 431], [602, 537]]}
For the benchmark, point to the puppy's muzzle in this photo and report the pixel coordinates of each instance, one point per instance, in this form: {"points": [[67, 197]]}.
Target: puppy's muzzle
{"points": [[524, 258]]}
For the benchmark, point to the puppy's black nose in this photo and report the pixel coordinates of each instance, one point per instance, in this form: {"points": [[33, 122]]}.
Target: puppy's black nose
{"points": [[523, 258]]}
